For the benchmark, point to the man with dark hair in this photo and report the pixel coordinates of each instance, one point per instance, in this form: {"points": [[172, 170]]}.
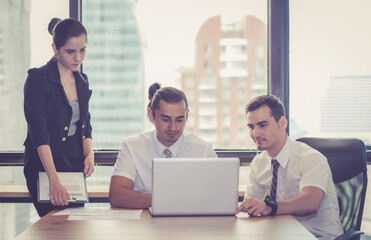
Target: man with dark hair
{"points": [[288, 177], [131, 183]]}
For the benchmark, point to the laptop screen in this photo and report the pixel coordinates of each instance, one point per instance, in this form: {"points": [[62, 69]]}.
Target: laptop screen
{"points": [[195, 186]]}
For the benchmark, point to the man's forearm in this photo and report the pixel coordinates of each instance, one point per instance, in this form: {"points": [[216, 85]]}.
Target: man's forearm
{"points": [[123, 197]]}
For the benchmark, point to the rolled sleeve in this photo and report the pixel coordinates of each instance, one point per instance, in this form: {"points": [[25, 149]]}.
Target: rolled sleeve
{"points": [[35, 106], [210, 152], [88, 128], [315, 172], [124, 165]]}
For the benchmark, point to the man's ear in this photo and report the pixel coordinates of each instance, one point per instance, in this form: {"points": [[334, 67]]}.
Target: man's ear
{"points": [[283, 123], [150, 114]]}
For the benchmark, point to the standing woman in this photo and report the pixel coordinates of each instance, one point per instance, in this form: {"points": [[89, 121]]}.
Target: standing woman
{"points": [[56, 98]]}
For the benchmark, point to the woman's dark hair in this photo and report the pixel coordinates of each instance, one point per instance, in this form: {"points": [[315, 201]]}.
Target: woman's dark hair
{"points": [[168, 94], [63, 30]]}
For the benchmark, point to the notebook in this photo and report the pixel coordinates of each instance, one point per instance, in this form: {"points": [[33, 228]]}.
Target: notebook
{"points": [[194, 186]]}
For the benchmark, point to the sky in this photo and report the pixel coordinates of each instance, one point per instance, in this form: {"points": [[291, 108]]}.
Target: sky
{"points": [[331, 40]]}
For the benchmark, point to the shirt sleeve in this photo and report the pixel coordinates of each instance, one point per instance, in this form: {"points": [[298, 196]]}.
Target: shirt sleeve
{"points": [[35, 105], [210, 152], [315, 171], [124, 165]]}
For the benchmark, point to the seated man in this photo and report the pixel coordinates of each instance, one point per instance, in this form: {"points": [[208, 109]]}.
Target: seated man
{"points": [[131, 183], [288, 177]]}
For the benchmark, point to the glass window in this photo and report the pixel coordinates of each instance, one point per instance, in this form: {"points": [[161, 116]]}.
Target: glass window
{"points": [[241, 94], [189, 82], [24, 43], [330, 74], [226, 135], [208, 67], [190, 94], [127, 51], [155, 43], [208, 50], [260, 51], [226, 121], [226, 81], [207, 82], [226, 94], [226, 108]]}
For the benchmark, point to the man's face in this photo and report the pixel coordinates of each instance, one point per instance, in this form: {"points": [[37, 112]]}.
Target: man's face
{"points": [[265, 131], [169, 121]]}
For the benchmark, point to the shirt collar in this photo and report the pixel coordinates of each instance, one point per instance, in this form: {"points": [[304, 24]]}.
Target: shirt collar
{"points": [[175, 148], [284, 155]]}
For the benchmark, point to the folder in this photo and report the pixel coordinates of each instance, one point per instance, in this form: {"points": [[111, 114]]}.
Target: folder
{"points": [[74, 182]]}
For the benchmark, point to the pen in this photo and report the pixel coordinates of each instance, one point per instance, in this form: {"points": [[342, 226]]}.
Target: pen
{"points": [[72, 200]]}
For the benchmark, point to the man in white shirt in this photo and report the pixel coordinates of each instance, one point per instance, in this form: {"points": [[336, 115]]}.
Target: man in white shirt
{"points": [[131, 182], [288, 177]]}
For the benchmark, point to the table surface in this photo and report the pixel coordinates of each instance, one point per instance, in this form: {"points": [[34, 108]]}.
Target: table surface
{"points": [[94, 191], [18, 191], [165, 228]]}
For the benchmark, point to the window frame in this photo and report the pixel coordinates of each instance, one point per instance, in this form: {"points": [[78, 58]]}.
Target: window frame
{"points": [[278, 81]]}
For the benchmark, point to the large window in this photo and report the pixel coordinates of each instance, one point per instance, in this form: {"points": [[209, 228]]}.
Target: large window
{"points": [[135, 43], [24, 43], [330, 69]]}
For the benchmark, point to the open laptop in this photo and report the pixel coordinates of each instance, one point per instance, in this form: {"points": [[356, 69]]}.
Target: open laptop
{"points": [[194, 186]]}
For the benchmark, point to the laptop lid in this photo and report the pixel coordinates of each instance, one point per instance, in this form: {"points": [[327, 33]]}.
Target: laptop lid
{"points": [[194, 186]]}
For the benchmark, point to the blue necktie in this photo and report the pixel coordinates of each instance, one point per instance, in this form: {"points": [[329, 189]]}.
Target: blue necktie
{"points": [[275, 166], [167, 153]]}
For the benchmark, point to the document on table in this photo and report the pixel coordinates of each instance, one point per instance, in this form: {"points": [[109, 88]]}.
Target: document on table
{"points": [[99, 213], [74, 182]]}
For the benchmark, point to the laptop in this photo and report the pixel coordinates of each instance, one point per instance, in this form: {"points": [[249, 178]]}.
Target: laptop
{"points": [[194, 186]]}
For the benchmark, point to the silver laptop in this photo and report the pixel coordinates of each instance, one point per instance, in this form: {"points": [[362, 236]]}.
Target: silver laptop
{"points": [[194, 186]]}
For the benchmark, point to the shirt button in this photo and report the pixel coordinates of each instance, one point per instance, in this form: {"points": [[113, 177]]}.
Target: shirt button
{"points": [[83, 137], [65, 128], [83, 126], [64, 139]]}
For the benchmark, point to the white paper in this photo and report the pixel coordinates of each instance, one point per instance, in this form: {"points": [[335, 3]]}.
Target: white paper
{"points": [[99, 213], [83, 211], [74, 182]]}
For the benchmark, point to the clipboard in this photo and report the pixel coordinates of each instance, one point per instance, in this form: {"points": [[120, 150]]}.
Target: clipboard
{"points": [[74, 182]]}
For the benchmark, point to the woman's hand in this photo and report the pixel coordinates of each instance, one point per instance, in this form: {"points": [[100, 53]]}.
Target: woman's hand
{"points": [[89, 165], [58, 193]]}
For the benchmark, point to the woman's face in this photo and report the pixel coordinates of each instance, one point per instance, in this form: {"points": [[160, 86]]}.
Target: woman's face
{"points": [[72, 54]]}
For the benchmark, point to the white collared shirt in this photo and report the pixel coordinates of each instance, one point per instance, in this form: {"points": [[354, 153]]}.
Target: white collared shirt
{"points": [[300, 166], [134, 159]]}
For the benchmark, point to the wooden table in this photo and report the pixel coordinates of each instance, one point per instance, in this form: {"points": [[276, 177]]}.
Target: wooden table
{"points": [[169, 228], [96, 193], [19, 193]]}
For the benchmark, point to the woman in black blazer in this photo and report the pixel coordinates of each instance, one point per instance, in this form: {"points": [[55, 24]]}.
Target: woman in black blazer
{"points": [[56, 98]]}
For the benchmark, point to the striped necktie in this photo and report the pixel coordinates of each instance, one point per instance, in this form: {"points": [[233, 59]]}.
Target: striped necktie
{"points": [[167, 153], [275, 165]]}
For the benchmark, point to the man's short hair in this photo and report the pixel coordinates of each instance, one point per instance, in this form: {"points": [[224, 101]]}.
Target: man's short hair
{"points": [[274, 103], [156, 93]]}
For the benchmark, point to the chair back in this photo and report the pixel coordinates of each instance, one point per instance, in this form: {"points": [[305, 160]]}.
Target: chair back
{"points": [[347, 160]]}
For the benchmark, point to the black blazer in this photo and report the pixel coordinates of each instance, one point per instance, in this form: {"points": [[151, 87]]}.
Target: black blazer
{"points": [[48, 112]]}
